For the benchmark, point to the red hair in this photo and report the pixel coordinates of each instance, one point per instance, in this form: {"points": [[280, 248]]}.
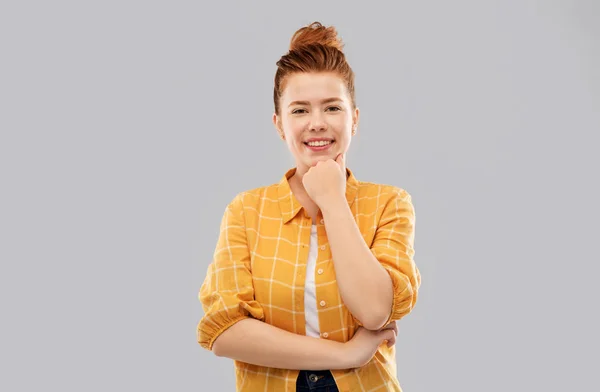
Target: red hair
{"points": [[313, 48]]}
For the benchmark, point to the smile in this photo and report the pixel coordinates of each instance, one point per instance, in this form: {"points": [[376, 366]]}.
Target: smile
{"points": [[320, 145]]}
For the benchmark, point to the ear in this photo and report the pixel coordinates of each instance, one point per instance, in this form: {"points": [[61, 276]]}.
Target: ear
{"points": [[277, 125], [355, 117]]}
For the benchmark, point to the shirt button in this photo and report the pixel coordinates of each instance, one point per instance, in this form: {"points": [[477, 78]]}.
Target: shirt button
{"points": [[323, 247], [323, 303], [325, 335], [320, 271], [322, 221]]}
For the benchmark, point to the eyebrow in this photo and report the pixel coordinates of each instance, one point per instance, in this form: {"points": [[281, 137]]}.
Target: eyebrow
{"points": [[327, 100]]}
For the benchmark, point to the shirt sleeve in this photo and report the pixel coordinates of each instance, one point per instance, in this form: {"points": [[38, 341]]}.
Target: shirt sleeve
{"points": [[393, 246], [227, 293]]}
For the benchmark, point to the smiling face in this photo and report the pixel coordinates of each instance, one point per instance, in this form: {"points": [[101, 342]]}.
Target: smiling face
{"points": [[316, 118]]}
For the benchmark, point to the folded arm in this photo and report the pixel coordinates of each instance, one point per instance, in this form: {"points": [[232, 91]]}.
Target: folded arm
{"points": [[233, 324], [256, 342]]}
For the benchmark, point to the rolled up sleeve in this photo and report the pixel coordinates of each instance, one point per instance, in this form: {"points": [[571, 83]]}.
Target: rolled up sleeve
{"points": [[393, 246], [227, 293]]}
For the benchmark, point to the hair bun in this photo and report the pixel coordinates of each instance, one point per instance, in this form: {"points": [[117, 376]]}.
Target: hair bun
{"points": [[316, 33]]}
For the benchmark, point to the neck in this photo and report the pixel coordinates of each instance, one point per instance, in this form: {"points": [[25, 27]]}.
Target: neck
{"points": [[296, 179], [298, 174]]}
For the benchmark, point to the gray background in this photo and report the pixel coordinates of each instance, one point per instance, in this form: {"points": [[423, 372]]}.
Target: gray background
{"points": [[127, 126]]}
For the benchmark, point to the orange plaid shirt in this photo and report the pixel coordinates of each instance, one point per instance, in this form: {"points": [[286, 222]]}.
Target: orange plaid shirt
{"points": [[259, 266]]}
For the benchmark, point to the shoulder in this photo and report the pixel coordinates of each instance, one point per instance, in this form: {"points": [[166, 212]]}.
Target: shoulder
{"points": [[254, 196], [389, 202], [382, 193]]}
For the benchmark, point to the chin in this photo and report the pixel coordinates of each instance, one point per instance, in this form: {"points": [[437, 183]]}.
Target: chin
{"points": [[314, 162]]}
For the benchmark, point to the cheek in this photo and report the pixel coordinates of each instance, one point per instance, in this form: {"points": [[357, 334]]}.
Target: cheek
{"points": [[295, 141], [296, 134], [344, 141], [298, 145]]}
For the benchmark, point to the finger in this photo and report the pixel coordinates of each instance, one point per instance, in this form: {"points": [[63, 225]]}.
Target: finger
{"points": [[393, 326], [388, 335], [391, 342], [390, 339]]}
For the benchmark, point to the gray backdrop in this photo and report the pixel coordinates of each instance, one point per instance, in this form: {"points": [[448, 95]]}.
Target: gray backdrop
{"points": [[127, 126]]}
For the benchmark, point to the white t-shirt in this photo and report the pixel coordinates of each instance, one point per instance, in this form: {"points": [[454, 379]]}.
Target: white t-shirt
{"points": [[310, 298]]}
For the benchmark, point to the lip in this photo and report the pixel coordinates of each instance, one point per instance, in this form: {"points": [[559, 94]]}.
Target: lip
{"points": [[319, 139], [319, 148]]}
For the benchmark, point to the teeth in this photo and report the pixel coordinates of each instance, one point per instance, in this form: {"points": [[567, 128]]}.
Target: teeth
{"points": [[320, 143]]}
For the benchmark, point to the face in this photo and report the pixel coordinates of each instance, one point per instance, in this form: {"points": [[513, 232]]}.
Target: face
{"points": [[315, 107]]}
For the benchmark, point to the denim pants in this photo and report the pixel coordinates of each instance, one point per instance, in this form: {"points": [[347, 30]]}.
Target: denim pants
{"points": [[316, 381]]}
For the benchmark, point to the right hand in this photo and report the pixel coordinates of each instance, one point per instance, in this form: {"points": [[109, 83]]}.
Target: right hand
{"points": [[363, 345]]}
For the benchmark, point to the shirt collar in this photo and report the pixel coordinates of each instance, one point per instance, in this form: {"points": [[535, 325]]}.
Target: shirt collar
{"points": [[290, 206]]}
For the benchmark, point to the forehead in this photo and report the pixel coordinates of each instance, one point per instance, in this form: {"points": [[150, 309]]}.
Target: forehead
{"points": [[313, 87]]}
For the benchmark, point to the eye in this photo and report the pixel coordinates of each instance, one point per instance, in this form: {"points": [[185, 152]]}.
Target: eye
{"points": [[334, 107], [297, 110]]}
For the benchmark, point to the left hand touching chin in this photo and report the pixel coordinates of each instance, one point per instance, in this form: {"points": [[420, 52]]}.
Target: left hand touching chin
{"points": [[326, 181]]}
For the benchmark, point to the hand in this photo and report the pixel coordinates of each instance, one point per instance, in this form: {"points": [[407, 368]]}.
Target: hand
{"points": [[326, 181], [364, 344]]}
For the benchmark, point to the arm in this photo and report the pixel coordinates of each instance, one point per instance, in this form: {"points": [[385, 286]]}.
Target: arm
{"points": [[262, 344], [378, 284], [233, 323], [365, 286]]}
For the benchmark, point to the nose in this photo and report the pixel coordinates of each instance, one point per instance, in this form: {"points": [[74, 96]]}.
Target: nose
{"points": [[317, 122]]}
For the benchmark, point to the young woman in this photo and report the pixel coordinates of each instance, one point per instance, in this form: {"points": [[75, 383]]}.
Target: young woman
{"points": [[310, 274]]}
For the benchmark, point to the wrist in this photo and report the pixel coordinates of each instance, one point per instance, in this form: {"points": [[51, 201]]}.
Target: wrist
{"points": [[339, 355], [347, 356], [334, 205]]}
